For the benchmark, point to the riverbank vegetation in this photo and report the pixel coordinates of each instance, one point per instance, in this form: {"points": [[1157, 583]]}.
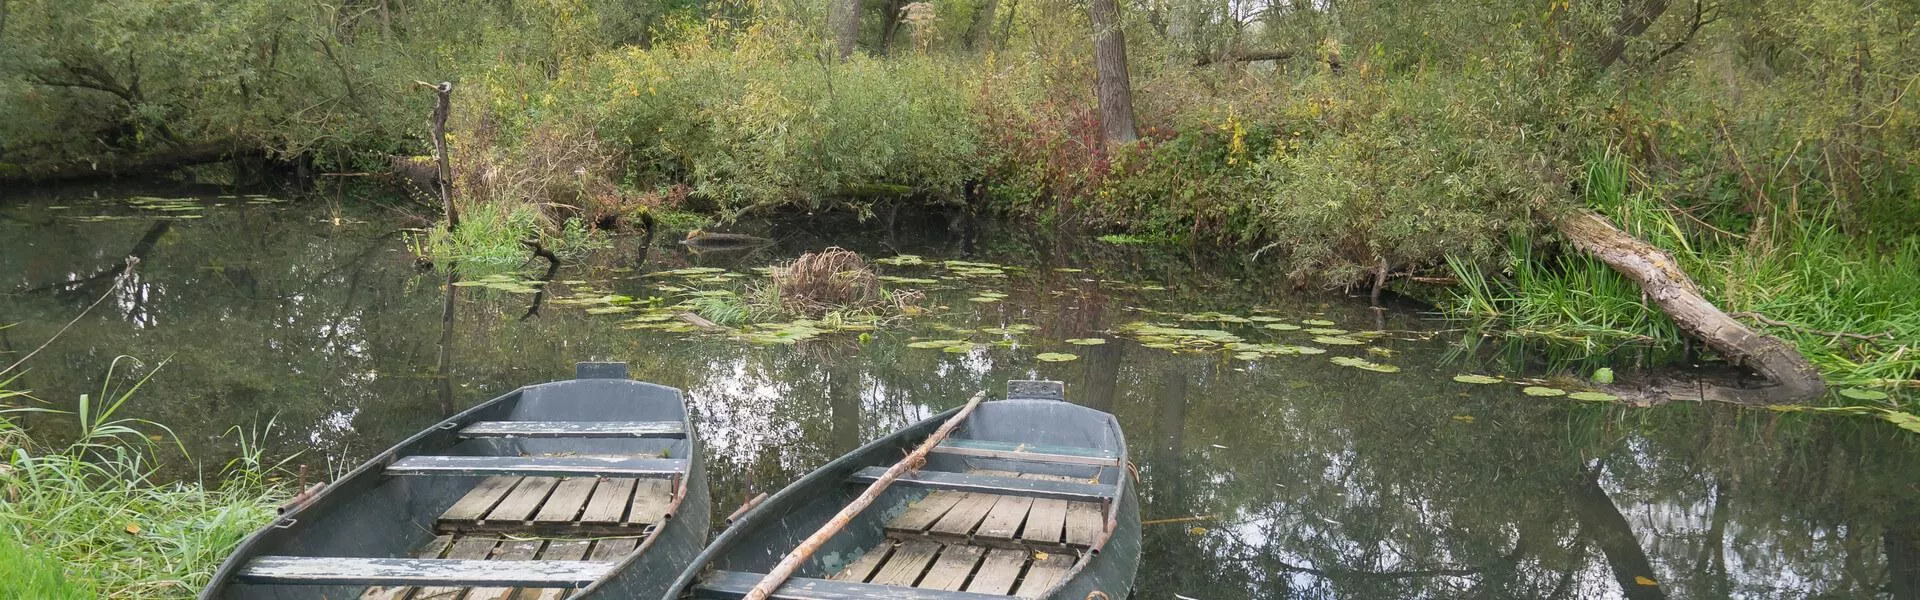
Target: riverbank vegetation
{"points": [[92, 518], [1770, 148]]}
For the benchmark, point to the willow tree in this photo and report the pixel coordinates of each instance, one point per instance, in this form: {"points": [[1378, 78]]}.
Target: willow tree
{"points": [[1110, 66], [843, 23]]}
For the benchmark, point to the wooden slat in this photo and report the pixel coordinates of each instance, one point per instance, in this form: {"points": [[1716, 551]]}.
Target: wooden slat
{"points": [[998, 572], [566, 501], [732, 585], [515, 550], [613, 549], [1003, 522], [1046, 521], [907, 563], [575, 429], [1027, 452], [1043, 574], [1084, 523], [1011, 486], [465, 548], [922, 514], [433, 549], [308, 570], [480, 499], [964, 515], [650, 500], [609, 501], [861, 569], [952, 568], [520, 504], [557, 550], [539, 466]]}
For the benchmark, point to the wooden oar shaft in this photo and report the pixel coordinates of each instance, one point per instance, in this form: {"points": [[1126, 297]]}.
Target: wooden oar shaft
{"points": [[800, 553]]}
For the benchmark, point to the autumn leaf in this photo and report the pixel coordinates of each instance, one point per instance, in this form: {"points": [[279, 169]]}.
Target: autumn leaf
{"points": [[133, 528], [1644, 580]]}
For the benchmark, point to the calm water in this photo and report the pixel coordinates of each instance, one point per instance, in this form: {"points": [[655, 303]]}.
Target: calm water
{"points": [[1284, 477]]}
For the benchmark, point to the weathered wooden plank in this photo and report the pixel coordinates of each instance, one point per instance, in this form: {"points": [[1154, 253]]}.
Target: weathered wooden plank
{"points": [[566, 501], [1028, 452], [1084, 523], [480, 499], [465, 548], [907, 563], [998, 572], [951, 569], [543, 529], [861, 569], [732, 585], [609, 501], [557, 550], [1011, 486], [922, 514], [520, 504], [539, 466], [1003, 522], [650, 500], [308, 570], [1046, 521], [964, 515], [433, 549], [1043, 574], [613, 549], [575, 429], [512, 550]]}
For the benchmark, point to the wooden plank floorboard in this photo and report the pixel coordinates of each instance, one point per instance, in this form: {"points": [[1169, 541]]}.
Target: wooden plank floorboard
{"points": [[923, 513], [480, 499], [965, 514], [612, 549], [861, 569], [609, 502], [1045, 522], [520, 504], [433, 549], [998, 572], [509, 550], [466, 548], [567, 500], [1043, 574], [907, 563], [950, 571], [557, 550], [1084, 523], [650, 500], [1003, 522]]}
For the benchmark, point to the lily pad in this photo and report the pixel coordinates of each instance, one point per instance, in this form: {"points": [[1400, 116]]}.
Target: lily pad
{"points": [[1087, 341], [1318, 322], [912, 280], [1544, 392], [1476, 379], [1014, 329], [687, 272], [1054, 357], [1326, 331], [935, 343], [983, 299], [1332, 340], [901, 260], [961, 348], [1249, 355], [1593, 396], [1364, 364], [1863, 394], [1215, 316], [1282, 326], [608, 310]]}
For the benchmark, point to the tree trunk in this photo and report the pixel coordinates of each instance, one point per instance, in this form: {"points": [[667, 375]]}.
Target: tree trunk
{"points": [[1635, 18], [442, 107], [1110, 65], [979, 33], [1660, 278], [843, 21], [1614, 535]]}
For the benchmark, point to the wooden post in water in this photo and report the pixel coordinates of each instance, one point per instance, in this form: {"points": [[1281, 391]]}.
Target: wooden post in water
{"points": [[791, 563], [442, 107]]}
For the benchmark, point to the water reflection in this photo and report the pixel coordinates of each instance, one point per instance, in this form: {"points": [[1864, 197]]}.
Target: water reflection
{"points": [[1311, 480]]}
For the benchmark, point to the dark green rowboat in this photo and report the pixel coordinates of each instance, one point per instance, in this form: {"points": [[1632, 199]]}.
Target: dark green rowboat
{"points": [[1029, 498], [588, 488]]}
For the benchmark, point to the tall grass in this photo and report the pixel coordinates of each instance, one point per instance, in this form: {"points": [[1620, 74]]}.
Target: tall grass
{"points": [[95, 513], [1851, 305]]}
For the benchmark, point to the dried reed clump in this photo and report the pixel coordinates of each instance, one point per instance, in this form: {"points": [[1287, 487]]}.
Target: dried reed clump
{"points": [[834, 278]]}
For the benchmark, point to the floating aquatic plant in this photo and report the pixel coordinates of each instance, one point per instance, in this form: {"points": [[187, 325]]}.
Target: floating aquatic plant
{"points": [[1544, 392], [1332, 340], [1364, 364], [1087, 341], [1282, 326], [1476, 379], [1593, 396], [1055, 357]]}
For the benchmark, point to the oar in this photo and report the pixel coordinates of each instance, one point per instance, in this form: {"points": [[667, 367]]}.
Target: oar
{"points": [[788, 565]]}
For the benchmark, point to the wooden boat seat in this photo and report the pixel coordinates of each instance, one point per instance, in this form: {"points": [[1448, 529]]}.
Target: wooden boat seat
{"points": [[1028, 452], [574, 429], [994, 484], [550, 466], [330, 570]]}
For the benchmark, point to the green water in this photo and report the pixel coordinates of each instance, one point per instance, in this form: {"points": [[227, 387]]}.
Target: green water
{"points": [[1308, 479]]}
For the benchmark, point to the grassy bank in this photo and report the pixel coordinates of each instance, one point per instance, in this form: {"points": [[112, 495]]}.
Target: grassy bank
{"points": [[90, 519]]}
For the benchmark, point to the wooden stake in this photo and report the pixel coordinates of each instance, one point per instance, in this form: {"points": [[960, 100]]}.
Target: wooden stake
{"points": [[442, 107], [791, 563]]}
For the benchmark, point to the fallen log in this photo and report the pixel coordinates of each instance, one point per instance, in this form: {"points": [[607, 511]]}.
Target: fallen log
{"points": [[1661, 279], [119, 165]]}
